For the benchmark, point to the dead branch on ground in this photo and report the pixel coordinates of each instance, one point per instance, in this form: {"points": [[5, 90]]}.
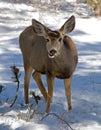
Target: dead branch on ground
{"points": [[15, 71], [58, 117]]}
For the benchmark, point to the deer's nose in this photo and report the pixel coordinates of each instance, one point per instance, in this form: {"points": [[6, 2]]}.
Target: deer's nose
{"points": [[52, 52]]}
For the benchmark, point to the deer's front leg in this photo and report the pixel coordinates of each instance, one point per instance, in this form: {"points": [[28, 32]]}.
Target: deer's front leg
{"points": [[67, 83], [50, 83], [37, 77]]}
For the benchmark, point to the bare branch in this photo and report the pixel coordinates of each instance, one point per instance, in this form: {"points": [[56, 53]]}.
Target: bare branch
{"points": [[15, 71], [58, 117]]}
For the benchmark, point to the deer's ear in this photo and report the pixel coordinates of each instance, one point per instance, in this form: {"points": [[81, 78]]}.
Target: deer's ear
{"points": [[68, 25], [39, 28]]}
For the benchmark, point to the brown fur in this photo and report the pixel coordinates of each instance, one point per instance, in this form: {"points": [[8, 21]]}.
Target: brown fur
{"points": [[35, 56]]}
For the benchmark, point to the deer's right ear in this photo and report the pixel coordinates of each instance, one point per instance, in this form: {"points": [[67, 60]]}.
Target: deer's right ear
{"points": [[38, 27]]}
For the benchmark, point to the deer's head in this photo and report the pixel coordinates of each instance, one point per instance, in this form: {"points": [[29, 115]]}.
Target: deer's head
{"points": [[54, 39]]}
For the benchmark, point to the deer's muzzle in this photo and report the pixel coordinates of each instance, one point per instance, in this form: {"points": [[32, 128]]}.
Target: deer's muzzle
{"points": [[52, 53]]}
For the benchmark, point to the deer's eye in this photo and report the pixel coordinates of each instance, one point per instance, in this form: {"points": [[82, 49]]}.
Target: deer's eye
{"points": [[47, 40], [60, 39]]}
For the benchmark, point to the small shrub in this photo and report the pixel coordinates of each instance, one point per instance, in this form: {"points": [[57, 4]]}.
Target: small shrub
{"points": [[95, 5]]}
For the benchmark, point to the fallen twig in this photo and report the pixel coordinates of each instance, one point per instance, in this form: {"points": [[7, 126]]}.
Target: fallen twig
{"points": [[15, 71], [58, 117], [36, 97]]}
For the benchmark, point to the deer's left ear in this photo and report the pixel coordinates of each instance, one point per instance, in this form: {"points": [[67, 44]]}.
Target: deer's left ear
{"points": [[68, 26]]}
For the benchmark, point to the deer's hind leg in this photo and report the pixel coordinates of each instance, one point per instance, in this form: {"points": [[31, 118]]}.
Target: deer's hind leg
{"points": [[37, 77], [28, 71]]}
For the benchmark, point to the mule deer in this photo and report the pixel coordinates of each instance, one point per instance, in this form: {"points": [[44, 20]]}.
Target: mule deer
{"points": [[51, 53]]}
